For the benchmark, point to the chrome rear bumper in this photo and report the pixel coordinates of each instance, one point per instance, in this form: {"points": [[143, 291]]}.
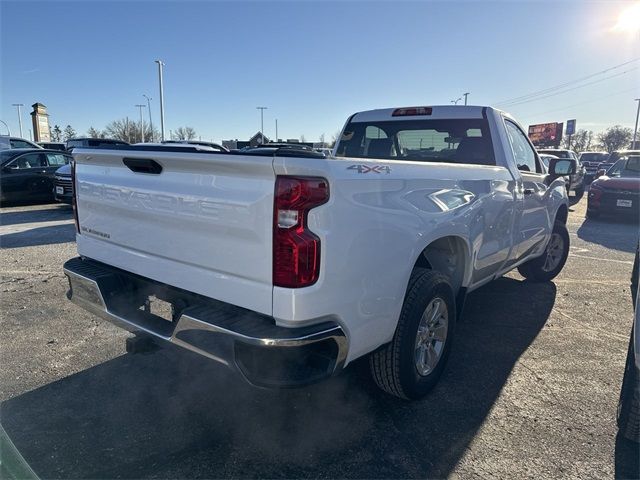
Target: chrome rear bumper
{"points": [[266, 354]]}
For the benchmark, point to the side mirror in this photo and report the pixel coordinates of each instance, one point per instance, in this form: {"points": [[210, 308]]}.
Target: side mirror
{"points": [[9, 169], [562, 166], [601, 172]]}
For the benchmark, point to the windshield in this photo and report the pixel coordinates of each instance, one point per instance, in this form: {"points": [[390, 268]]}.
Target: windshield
{"points": [[556, 153], [6, 155], [626, 168], [594, 157], [452, 141]]}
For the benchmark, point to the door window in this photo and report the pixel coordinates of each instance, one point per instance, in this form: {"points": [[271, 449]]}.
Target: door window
{"points": [[56, 159], [523, 153], [31, 160]]}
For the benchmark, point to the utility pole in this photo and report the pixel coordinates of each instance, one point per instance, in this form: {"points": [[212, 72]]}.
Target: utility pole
{"points": [[7, 127], [465, 97], [18, 106], [149, 111], [635, 130], [262, 109], [160, 65], [276, 129], [140, 107]]}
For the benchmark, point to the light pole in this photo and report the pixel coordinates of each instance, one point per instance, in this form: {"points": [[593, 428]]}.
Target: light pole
{"points": [[140, 107], [465, 97], [7, 127], [262, 109], [635, 130], [18, 106], [455, 102], [160, 65], [276, 129], [150, 121]]}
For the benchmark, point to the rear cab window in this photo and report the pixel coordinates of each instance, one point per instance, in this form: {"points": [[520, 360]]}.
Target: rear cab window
{"points": [[464, 141]]}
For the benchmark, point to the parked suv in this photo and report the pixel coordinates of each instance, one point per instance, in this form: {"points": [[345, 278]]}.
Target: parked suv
{"points": [[576, 181], [591, 162]]}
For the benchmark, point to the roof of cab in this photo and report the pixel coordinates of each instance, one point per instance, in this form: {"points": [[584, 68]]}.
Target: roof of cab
{"points": [[437, 112]]}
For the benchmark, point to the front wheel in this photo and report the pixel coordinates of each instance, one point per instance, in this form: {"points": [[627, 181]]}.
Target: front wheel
{"points": [[548, 265], [411, 364]]}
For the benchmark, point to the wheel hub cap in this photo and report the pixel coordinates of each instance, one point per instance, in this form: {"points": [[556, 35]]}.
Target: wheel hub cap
{"points": [[431, 336], [554, 252]]}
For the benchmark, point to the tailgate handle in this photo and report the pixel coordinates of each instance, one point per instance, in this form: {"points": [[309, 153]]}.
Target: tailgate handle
{"points": [[143, 165]]}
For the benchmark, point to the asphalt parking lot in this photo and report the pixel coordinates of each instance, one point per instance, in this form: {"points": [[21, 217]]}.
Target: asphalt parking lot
{"points": [[530, 391]]}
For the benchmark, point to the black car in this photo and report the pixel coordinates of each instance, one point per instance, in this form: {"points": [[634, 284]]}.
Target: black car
{"points": [[62, 185], [27, 174], [16, 142], [54, 146], [591, 161], [93, 142]]}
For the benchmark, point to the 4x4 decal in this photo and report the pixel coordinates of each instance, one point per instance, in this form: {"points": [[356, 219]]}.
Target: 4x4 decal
{"points": [[370, 168]]}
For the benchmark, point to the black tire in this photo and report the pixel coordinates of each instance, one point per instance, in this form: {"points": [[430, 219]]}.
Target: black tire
{"points": [[394, 366], [629, 403], [592, 214], [535, 270]]}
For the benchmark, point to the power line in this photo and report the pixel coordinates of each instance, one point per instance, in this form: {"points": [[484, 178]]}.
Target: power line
{"points": [[565, 84], [597, 99], [541, 97]]}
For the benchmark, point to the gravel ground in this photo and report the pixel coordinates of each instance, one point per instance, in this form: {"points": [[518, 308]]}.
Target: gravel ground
{"points": [[530, 390]]}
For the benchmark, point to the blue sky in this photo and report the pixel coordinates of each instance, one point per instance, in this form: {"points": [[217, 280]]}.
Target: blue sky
{"points": [[312, 63]]}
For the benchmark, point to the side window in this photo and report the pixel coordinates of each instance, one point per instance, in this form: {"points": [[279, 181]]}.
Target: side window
{"points": [[523, 154], [20, 144], [30, 160], [616, 169], [56, 159]]}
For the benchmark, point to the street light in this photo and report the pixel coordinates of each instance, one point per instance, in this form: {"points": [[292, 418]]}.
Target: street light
{"points": [[140, 107], [635, 130], [149, 111], [160, 65], [18, 105], [465, 97], [262, 109], [455, 102], [7, 127]]}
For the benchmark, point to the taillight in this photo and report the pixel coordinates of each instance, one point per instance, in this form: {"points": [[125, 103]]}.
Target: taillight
{"points": [[74, 201], [296, 249]]}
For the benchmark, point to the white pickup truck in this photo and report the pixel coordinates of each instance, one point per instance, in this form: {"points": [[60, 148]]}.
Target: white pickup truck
{"points": [[287, 265]]}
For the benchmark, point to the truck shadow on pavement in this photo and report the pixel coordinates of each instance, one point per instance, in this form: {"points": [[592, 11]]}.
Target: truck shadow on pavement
{"points": [[615, 233], [172, 414], [51, 214], [48, 235]]}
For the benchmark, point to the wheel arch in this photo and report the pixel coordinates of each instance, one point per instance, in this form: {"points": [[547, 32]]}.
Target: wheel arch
{"points": [[449, 255]]}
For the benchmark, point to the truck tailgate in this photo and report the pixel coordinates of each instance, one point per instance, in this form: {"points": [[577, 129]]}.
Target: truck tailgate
{"points": [[203, 223]]}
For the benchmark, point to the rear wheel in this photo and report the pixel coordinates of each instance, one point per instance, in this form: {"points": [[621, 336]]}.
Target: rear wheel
{"points": [[593, 214], [411, 364], [548, 265], [578, 193]]}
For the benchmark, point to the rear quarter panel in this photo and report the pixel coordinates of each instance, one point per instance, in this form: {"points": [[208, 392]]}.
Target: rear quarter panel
{"points": [[374, 228]]}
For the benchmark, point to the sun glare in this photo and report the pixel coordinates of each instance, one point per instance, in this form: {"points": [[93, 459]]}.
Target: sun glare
{"points": [[629, 19]]}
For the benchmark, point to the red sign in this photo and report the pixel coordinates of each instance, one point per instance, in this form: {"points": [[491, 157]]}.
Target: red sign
{"points": [[546, 134]]}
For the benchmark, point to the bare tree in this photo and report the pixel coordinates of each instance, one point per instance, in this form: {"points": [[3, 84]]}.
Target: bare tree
{"points": [[322, 139], [302, 139], [615, 138], [581, 141], [94, 133], [127, 131], [184, 133]]}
